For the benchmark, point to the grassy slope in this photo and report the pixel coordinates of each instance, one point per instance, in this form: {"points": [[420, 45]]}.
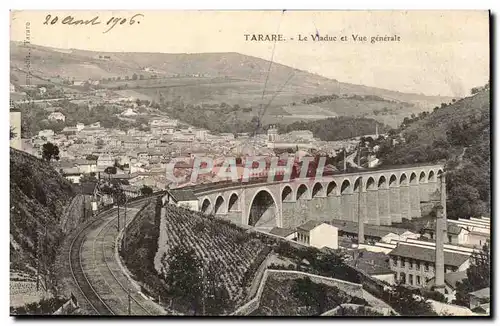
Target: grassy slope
{"points": [[38, 198], [467, 151], [437, 123]]}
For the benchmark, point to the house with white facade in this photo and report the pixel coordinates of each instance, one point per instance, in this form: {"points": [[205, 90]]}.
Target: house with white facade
{"points": [[57, 116], [181, 198], [318, 234], [104, 161], [129, 113], [47, 133]]}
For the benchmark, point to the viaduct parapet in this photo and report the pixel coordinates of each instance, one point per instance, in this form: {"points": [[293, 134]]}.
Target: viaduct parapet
{"points": [[380, 196]]}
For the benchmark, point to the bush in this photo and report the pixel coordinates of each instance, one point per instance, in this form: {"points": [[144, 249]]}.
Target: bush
{"points": [[42, 307]]}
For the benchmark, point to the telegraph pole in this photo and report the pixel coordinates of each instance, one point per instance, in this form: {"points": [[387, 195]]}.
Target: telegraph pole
{"points": [[203, 289], [345, 163], [125, 226], [38, 263], [129, 301], [118, 204], [44, 256]]}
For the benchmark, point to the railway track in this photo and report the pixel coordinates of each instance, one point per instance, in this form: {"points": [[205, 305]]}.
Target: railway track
{"points": [[79, 276], [117, 282], [96, 272]]}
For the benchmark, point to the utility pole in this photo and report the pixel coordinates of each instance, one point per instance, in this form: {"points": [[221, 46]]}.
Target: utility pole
{"points": [[359, 155], [118, 204], [129, 301], [203, 290], [345, 163], [125, 226], [38, 263], [44, 255]]}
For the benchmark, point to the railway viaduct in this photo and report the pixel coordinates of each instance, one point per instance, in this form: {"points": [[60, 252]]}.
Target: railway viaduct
{"points": [[380, 196]]}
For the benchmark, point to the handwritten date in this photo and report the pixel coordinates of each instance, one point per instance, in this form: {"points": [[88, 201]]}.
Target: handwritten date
{"points": [[110, 23]]}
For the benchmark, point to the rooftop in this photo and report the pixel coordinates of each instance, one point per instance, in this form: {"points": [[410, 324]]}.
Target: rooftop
{"points": [[482, 293], [183, 195], [377, 231], [372, 263], [282, 232], [309, 225], [428, 254], [451, 279]]}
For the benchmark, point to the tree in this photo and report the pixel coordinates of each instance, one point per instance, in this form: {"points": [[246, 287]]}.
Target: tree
{"points": [[134, 76], [478, 275], [183, 276], [50, 151], [408, 302], [146, 191], [88, 177], [91, 157], [99, 143], [110, 170], [216, 296]]}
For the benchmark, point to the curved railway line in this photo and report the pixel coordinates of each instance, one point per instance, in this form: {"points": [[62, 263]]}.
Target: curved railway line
{"points": [[98, 275]]}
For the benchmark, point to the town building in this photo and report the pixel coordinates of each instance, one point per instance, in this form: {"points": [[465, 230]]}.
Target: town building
{"points": [[455, 233], [451, 281], [181, 198], [57, 116], [86, 166], [375, 264], [71, 173], [372, 233], [318, 234], [479, 230], [129, 113], [415, 263], [480, 299], [104, 161], [47, 133]]}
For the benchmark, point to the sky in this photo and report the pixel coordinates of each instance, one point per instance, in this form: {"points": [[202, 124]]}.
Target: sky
{"points": [[438, 52]]}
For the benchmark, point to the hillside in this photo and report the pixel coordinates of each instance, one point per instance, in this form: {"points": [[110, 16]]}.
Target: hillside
{"points": [[208, 78], [459, 134], [304, 297], [229, 257], [38, 199]]}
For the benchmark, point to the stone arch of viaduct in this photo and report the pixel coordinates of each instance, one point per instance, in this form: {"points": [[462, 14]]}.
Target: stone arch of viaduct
{"points": [[381, 197]]}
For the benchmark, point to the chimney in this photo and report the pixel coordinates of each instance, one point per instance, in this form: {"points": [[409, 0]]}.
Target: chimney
{"points": [[441, 236]]}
